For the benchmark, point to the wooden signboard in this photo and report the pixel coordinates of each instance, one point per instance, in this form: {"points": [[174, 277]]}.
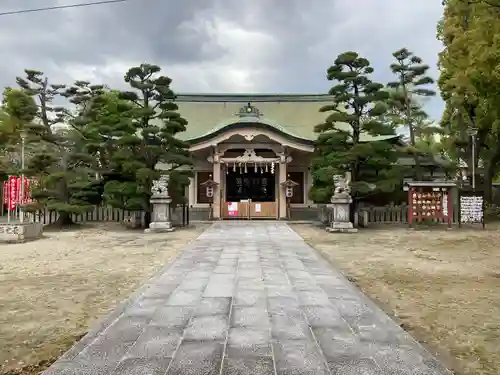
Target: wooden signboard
{"points": [[430, 200]]}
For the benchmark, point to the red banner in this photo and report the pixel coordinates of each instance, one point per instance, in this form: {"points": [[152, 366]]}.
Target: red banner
{"points": [[5, 192], [27, 191], [13, 193]]}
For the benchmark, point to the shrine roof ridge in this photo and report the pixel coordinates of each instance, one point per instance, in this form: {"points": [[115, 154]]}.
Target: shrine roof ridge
{"points": [[435, 183], [252, 97]]}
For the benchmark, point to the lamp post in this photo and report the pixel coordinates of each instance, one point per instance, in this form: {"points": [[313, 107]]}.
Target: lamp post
{"points": [[21, 190], [472, 132]]}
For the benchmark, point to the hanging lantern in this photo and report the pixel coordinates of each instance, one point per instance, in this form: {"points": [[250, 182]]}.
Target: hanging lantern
{"points": [[255, 167], [246, 171], [267, 170], [261, 169], [234, 167], [241, 169], [272, 167]]}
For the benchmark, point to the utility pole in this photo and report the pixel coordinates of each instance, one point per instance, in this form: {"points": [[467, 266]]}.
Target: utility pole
{"points": [[472, 132], [21, 190]]}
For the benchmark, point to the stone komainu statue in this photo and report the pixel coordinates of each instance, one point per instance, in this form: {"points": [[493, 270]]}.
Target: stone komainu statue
{"points": [[342, 184]]}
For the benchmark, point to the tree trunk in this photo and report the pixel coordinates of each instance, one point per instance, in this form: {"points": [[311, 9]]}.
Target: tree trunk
{"points": [[64, 220], [488, 185], [147, 218]]}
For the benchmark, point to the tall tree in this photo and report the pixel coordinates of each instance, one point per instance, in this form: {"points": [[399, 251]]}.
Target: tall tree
{"points": [[61, 169], [361, 148], [145, 140], [411, 83], [469, 81]]}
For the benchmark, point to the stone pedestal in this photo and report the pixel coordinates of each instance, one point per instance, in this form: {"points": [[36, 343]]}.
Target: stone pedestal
{"points": [[20, 232], [340, 222], [160, 222]]}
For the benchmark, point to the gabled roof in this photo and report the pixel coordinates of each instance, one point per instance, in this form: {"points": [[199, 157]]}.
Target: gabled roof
{"points": [[293, 115]]}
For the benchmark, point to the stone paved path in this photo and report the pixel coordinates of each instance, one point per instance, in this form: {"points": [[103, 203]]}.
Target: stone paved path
{"points": [[248, 298]]}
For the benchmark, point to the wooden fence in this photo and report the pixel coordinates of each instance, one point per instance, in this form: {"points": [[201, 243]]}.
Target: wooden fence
{"points": [[390, 215], [180, 215], [99, 213]]}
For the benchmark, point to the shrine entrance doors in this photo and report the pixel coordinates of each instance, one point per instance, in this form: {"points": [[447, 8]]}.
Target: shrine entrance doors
{"points": [[250, 192]]}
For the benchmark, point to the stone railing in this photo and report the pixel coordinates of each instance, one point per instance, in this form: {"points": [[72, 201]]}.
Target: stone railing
{"points": [[17, 232]]}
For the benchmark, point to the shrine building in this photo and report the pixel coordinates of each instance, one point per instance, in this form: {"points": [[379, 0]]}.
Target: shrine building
{"points": [[250, 145]]}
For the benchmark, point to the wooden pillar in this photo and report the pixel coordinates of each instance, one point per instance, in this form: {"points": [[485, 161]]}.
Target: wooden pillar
{"points": [[282, 178], [217, 196], [450, 206], [192, 191]]}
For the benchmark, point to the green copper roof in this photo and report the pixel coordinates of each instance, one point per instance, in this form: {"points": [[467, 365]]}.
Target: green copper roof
{"points": [[249, 120], [294, 115]]}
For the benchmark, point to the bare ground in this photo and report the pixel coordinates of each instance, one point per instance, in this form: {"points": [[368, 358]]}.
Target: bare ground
{"points": [[54, 289], [443, 286]]}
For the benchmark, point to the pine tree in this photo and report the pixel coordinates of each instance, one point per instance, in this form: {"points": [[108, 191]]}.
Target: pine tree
{"points": [[62, 171], [147, 139], [411, 83], [357, 103]]}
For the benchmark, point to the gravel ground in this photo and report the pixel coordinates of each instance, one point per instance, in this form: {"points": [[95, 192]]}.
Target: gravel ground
{"points": [[54, 289], [442, 285]]}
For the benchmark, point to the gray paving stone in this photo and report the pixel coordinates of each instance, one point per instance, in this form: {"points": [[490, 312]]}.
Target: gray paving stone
{"points": [[339, 344], [276, 278], [173, 316], [282, 305], [250, 297], [233, 262], [402, 359], [250, 317], [81, 367], [208, 327], [340, 292], [184, 298], [355, 366], [255, 284], [193, 284], [281, 290], [306, 286], [143, 311], [324, 316], [250, 273], [142, 366], [289, 326], [294, 357], [220, 285], [225, 269], [159, 291], [197, 358], [290, 311], [248, 366], [249, 341], [156, 342], [214, 306], [313, 298]]}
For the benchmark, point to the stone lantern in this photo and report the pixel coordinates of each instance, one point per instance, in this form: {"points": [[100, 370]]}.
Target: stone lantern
{"points": [[288, 186], [210, 188], [160, 199], [341, 206]]}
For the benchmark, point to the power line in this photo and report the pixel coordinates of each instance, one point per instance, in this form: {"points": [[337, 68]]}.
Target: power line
{"points": [[80, 5]]}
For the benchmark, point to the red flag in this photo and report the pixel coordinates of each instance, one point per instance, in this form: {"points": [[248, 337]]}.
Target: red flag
{"points": [[5, 192], [27, 191], [13, 192]]}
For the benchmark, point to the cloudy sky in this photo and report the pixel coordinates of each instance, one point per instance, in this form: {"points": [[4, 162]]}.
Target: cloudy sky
{"points": [[230, 46]]}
